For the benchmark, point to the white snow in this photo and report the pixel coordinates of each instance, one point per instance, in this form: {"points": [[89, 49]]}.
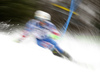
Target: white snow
{"points": [[29, 57]]}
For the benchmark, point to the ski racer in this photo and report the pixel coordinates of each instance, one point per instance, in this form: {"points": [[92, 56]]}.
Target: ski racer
{"points": [[45, 32]]}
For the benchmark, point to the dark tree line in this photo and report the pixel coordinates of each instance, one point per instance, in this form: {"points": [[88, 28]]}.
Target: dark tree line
{"points": [[20, 11], [17, 11]]}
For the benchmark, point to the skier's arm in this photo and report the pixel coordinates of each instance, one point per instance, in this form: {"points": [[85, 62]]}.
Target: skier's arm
{"points": [[54, 33], [25, 32], [28, 28]]}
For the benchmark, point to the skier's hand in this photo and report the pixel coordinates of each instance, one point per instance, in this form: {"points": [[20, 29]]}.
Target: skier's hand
{"points": [[18, 40]]}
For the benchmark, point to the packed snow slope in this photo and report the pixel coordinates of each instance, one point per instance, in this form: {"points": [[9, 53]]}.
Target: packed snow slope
{"points": [[29, 57]]}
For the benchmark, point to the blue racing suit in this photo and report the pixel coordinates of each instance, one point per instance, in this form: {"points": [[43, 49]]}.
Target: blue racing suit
{"points": [[42, 30]]}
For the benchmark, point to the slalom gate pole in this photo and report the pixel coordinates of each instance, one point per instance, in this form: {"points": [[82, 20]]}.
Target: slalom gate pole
{"points": [[69, 17]]}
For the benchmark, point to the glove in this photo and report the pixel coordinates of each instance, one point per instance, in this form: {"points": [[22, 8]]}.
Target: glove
{"points": [[18, 40]]}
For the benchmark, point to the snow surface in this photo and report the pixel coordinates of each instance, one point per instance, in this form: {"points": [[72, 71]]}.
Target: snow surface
{"points": [[29, 57]]}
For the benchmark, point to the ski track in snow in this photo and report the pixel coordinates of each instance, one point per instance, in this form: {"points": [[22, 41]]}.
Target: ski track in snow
{"points": [[29, 57]]}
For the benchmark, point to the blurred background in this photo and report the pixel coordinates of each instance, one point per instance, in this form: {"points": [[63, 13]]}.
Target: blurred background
{"points": [[84, 26], [85, 20]]}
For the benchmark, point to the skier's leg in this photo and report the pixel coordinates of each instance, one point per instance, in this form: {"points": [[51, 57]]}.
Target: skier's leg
{"points": [[55, 44], [48, 45], [59, 49], [45, 44], [39, 42]]}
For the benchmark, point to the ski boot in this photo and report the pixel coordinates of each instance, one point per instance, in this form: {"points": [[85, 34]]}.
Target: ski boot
{"points": [[55, 52], [67, 56]]}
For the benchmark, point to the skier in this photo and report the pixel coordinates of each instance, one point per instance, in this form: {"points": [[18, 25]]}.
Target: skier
{"points": [[45, 33]]}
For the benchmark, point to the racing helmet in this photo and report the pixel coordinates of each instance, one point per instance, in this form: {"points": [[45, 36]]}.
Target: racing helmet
{"points": [[39, 14]]}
